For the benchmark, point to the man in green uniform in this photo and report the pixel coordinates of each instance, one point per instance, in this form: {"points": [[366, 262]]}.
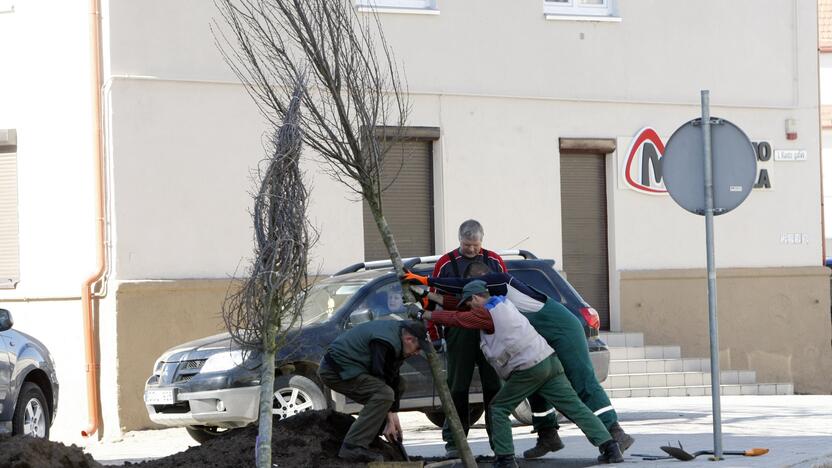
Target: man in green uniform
{"points": [[565, 333], [528, 365], [363, 364]]}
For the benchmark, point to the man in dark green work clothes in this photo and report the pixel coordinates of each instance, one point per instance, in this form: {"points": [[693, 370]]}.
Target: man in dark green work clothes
{"points": [[565, 333], [363, 364]]}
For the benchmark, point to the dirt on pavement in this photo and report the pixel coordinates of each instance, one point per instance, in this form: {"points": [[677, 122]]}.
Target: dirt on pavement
{"points": [[309, 439], [29, 452]]}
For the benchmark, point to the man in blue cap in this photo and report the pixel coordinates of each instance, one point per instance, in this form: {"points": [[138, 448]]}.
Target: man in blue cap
{"points": [[564, 333], [527, 364]]}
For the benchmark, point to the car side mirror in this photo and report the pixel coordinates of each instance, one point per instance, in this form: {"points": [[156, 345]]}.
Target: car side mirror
{"points": [[6, 321], [361, 316]]}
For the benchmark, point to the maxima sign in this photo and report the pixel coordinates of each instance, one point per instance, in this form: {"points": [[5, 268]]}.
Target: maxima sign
{"points": [[641, 165]]}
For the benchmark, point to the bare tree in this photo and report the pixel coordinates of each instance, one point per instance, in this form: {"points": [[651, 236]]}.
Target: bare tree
{"points": [[270, 302], [355, 107]]}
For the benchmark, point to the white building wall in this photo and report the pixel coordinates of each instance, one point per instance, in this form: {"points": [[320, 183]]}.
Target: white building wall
{"points": [[503, 85], [825, 63], [45, 95]]}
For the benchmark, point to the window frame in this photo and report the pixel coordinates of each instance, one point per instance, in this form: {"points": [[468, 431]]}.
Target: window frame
{"points": [[576, 10], [399, 6]]}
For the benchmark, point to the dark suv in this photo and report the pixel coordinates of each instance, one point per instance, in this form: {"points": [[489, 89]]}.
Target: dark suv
{"points": [[209, 385]]}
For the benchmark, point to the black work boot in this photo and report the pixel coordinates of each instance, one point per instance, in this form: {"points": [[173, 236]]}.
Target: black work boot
{"points": [[547, 441], [610, 452], [358, 453], [624, 440], [504, 461]]}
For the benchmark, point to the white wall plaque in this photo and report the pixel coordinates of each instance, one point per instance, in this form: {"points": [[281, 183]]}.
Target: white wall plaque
{"points": [[789, 155]]}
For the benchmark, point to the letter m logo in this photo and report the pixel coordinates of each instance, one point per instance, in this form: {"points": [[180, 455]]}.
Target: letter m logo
{"points": [[642, 169]]}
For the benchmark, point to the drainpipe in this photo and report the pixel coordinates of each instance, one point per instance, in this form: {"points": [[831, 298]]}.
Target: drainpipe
{"points": [[87, 297]]}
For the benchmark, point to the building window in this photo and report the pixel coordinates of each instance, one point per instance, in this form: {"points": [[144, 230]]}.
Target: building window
{"points": [[407, 174], [9, 235], [580, 8], [415, 6]]}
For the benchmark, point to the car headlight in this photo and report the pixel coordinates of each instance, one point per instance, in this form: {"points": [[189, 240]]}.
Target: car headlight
{"points": [[223, 361]]}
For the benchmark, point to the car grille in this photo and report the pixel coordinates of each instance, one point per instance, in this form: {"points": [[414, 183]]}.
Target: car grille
{"points": [[187, 370], [184, 378], [194, 364]]}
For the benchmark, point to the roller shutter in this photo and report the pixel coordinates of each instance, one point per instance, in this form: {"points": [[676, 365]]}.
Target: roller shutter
{"points": [[584, 226], [408, 202], [9, 235]]}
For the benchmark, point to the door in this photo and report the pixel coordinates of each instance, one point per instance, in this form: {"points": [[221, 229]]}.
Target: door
{"points": [[584, 225], [407, 176], [5, 379]]}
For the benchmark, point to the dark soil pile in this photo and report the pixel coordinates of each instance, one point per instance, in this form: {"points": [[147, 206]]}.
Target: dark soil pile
{"points": [[29, 452], [309, 439]]}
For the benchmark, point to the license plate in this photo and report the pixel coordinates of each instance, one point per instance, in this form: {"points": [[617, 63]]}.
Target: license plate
{"points": [[160, 396]]}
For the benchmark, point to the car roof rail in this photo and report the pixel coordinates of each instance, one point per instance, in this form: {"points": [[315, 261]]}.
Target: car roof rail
{"points": [[411, 262]]}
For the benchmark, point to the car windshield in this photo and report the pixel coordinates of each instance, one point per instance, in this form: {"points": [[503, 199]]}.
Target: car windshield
{"points": [[326, 297]]}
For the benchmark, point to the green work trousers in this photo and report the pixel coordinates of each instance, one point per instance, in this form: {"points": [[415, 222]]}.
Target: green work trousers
{"points": [[463, 354], [376, 396], [565, 334], [547, 380]]}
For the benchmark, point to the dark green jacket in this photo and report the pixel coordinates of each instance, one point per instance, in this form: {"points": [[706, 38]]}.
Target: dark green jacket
{"points": [[351, 350], [552, 321]]}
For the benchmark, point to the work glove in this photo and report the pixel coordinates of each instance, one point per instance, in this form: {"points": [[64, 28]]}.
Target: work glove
{"points": [[413, 278], [414, 311], [421, 295], [440, 345]]}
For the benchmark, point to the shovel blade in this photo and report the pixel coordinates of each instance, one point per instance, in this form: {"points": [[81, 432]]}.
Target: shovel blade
{"points": [[677, 453]]}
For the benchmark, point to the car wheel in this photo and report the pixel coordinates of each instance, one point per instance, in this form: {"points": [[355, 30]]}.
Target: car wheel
{"points": [[203, 434], [523, 414], [295, 394], [475, 412], [31, 415]]}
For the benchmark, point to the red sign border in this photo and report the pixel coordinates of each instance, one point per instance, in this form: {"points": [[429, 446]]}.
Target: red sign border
{"points": [[645, 134]]}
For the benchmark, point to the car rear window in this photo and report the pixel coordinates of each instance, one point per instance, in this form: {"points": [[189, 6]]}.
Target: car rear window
{"points": [[539, 281]]}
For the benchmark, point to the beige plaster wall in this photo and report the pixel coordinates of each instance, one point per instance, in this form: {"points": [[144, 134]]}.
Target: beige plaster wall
{"points": [[153, 316], [775, 321]]}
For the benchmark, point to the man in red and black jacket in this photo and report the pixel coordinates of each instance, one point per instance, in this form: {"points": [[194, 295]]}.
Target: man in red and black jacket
{"points": [[463, 345]]}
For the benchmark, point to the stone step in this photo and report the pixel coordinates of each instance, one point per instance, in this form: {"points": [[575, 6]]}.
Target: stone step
{"points": [[622, 340], [703, 390], [677, 379], [644, 352], [644, 366]]}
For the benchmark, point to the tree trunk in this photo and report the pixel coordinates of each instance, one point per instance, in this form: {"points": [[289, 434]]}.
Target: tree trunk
{"points": [[264, 431], [433, 359]]}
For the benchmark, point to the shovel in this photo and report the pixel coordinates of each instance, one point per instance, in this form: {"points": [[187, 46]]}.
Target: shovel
{"points": [[400, 445], [680, 454]]}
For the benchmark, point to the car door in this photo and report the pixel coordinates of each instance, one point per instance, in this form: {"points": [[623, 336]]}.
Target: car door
{"points": [[5, 378]]}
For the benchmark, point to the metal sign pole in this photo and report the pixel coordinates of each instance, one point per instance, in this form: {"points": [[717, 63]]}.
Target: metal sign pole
{"points": [[709, 241]]}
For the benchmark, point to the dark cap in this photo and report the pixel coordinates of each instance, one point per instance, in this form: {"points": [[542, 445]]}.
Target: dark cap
{"points": [[474, 287], [417, 329]]}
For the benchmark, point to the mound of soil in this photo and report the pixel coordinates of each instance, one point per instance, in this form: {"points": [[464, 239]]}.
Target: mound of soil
{"points": [[29, 452], [309, 439]]}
